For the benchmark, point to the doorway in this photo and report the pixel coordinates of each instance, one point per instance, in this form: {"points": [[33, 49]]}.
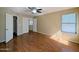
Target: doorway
{"points": [[30, 25], [14, 26], [33, 25]]}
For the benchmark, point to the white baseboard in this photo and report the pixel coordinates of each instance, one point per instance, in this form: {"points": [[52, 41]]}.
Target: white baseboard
{"points": [[74, 41], [2, 41], [44, 33]]}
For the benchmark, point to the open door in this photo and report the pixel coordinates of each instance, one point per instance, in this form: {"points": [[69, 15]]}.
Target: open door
{"points": [[9, 27]]}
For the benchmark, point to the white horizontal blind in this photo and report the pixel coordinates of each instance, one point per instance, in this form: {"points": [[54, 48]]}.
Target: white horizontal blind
{"points": [[69, 23]]}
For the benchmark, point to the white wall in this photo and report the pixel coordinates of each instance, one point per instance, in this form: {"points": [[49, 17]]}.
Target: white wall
{"points": [[2, 25]]}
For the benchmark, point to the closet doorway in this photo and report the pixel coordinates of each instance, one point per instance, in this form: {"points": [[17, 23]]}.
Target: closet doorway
{"points": [[14, 26]]}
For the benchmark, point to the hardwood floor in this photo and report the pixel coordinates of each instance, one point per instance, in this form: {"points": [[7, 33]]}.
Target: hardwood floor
{"points": [[36, 42]]}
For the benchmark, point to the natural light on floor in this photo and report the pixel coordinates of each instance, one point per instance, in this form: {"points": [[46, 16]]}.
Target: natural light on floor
{"points": [[61, 37]]}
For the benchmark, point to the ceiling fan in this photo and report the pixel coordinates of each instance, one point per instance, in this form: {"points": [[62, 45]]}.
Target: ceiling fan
{"points": [[35, 10]]}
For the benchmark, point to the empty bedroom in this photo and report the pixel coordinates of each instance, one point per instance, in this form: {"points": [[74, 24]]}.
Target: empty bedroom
{"points": [[39, 29]]}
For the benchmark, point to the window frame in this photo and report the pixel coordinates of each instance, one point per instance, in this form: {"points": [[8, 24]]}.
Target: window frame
{"points": [[69, 23]]}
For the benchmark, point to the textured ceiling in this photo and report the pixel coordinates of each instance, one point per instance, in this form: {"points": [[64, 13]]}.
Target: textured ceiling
{"points": [[26, 11]]}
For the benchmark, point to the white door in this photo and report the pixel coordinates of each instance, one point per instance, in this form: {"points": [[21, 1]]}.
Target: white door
{"points": [[9, 27], [25, 25], [35, 25]]}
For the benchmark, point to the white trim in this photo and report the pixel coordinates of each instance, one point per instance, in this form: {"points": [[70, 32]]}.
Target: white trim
{"points": [[2, 41], [44, 33]]}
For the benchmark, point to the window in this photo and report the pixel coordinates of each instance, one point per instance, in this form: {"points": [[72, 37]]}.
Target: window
{"points": [[69, 23]]}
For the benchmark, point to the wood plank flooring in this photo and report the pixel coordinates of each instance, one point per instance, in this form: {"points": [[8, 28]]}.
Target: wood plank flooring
{"points": [[36, 42]]}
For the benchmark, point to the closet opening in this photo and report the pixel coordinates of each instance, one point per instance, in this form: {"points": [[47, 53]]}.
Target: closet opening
{"points": [[14, 26]]}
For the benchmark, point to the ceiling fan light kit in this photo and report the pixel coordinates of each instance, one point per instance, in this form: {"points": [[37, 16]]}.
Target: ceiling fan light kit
{"points": [[35, 10]]}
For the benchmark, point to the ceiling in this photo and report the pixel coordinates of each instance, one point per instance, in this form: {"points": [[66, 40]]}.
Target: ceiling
{"points": [[25, 11]]}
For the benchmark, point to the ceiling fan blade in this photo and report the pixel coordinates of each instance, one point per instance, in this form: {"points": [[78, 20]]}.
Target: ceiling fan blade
{"points": [[39, 11], [32, 8], [29, 7]]}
